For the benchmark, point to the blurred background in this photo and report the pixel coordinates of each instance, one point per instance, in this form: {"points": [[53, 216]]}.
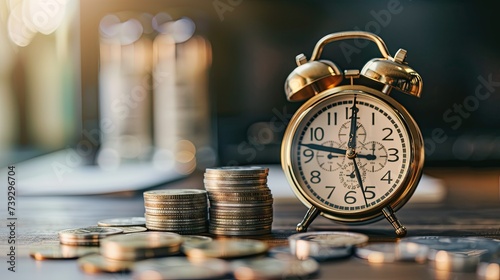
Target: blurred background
{"points": [[192, 84]]}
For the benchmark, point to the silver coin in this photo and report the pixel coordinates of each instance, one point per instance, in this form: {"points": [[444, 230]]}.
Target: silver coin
{"points": [[252, 204], [227, 248], [180, 268], [194, 240], [457, 260], [489, 269], [272, 268], [199, 230], [390, 252], [325, 245], [133, 229], [122, 222], [174, 194], [492, 246], [88, 233], [458, 254], [240, 170], [260, 183]]}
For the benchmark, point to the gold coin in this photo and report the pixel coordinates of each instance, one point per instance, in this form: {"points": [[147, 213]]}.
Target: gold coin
{"points": [[227, 248], [61, 252], [141, 245], [96, 263], [88, 233]]}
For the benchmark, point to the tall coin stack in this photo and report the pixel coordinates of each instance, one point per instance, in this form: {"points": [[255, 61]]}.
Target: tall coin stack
{"points": [[183, 211], [240, 201]]}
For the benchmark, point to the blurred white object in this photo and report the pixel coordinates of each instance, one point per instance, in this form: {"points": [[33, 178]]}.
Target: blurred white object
{"points": [[57, 174], [429, 190]]}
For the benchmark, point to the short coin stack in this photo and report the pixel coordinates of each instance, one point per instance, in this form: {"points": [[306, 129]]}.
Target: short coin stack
{"points": [[183, 211], [241, 204]]}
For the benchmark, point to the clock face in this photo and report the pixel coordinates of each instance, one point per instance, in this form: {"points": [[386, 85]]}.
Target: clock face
{"points": [[350, 153]]}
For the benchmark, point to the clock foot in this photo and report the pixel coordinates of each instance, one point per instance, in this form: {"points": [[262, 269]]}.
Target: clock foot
{"points": [[311, 214], [391, 217]]}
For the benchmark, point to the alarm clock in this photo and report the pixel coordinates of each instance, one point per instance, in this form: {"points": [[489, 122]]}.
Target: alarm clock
{"points": [[352, 153]]}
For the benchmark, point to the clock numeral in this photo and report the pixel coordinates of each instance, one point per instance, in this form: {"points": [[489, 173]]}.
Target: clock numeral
{"points": [[368, 193], [387, 137], [315, 179], [349, 198], [331, 192], [308, 153], [394, 154], [329, 120], [373, 118], [387, 177], [317, 134], [347, 115]]}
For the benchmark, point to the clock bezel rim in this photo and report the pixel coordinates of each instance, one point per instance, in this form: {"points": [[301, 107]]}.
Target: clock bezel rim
{"points": [[402, 194]]}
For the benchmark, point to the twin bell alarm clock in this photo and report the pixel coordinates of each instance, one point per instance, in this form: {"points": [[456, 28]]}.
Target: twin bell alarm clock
{"points": [[352, 153]]}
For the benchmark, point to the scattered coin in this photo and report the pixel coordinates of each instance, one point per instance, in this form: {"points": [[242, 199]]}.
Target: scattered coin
{"points": [[227, 248], [457, 254], [390, 252], [489, 270], [194, 240], [272, 268], [135, 246], [132, 229], [88, 236], [181, 268], [96, 263], [61, 252], [325, 245], [122, 222]]}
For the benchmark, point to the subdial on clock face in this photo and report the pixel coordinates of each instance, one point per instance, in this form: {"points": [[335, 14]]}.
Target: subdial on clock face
{"points": [[378, 157], [346, 128], [347, 176], [330, 161]]}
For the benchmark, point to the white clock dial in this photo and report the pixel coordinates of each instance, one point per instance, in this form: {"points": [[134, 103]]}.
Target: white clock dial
{"points": [[382, 148]]}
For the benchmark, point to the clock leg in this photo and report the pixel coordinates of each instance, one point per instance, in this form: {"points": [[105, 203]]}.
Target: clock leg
{"points": [[311, 214], [391, 217]]}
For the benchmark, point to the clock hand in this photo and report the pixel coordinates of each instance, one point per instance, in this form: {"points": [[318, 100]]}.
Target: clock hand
{"points": [[360, 181], [335, 150], [351, 144]]}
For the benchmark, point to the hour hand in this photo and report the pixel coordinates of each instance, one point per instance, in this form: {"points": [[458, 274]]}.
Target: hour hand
{"points": [[335, 150], [324, 148]]}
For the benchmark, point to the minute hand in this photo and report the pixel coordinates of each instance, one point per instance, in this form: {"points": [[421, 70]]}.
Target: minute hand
{"points": [[335, 150], [354, 126]]}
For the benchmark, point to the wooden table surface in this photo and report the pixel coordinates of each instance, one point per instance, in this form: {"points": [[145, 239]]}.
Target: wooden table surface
{"points": [[471, 208]]}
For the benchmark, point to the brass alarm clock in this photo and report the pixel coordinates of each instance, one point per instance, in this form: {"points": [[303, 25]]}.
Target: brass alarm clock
{"points": [[351, 152]]}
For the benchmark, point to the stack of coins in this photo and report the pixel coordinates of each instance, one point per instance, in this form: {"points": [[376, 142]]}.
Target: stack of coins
{"points": [[183, 211], [241, 204]]}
